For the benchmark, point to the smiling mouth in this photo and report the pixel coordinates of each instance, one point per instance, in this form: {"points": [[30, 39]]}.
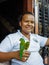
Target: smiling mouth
{"points": [[28, 27]]}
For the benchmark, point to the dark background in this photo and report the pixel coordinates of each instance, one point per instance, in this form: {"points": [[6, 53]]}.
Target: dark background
{"points": [[9, 11]]}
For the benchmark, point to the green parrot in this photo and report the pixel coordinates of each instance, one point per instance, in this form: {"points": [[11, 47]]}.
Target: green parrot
{"points": [[23, 46]]}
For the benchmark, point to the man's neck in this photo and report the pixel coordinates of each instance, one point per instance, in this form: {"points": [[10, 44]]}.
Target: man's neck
{"points": [[27, 35]]}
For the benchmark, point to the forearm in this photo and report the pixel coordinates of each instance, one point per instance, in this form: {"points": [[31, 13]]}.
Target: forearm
{"points": [[6, 56]]}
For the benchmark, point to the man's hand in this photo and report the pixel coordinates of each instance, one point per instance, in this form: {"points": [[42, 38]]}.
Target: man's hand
{"points": [[24, 57]]}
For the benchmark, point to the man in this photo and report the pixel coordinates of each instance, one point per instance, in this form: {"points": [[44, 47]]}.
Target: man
{"points": [[10, 46]]}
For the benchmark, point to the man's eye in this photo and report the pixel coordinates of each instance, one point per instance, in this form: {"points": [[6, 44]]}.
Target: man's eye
{"points": [[32, 21], [26, 21]]}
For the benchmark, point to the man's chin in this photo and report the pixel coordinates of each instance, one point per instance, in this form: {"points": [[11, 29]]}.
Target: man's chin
{"points": [[28, 32]]}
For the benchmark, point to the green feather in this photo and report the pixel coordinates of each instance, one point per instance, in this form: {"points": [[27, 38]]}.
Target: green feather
{"points": [[27, 45], [23, 46], [22, 42]]}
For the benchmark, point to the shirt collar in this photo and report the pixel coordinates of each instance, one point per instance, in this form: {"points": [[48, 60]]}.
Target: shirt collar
{"points": [[21, 35]]}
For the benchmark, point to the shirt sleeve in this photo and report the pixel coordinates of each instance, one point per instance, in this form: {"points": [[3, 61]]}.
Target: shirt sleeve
{"points": [[6, 45], [42, 40]]}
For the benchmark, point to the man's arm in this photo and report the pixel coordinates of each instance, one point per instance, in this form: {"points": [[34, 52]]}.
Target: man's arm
{"points": [[7, 56], [47, 43]]}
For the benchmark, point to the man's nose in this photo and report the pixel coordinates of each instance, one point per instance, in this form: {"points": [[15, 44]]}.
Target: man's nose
{"points": [[29, 23]]}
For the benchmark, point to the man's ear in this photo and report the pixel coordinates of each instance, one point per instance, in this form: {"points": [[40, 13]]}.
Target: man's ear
{"points": [[20, 23]]}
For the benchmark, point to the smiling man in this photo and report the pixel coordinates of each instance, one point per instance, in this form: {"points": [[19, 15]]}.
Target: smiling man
{"points": [[10, 46]]}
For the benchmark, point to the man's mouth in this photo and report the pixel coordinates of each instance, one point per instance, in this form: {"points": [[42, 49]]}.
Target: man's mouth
{"points": [[28, 28]]}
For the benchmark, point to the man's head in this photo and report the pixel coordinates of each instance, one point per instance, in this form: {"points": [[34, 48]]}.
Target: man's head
{"points": [[21, 16], [26, 22]]}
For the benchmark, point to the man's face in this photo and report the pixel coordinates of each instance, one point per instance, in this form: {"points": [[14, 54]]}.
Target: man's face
{"points": [[27, 23]]}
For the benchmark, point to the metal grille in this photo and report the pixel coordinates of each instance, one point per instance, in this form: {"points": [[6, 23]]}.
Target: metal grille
{"points": [[44, 17]]}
